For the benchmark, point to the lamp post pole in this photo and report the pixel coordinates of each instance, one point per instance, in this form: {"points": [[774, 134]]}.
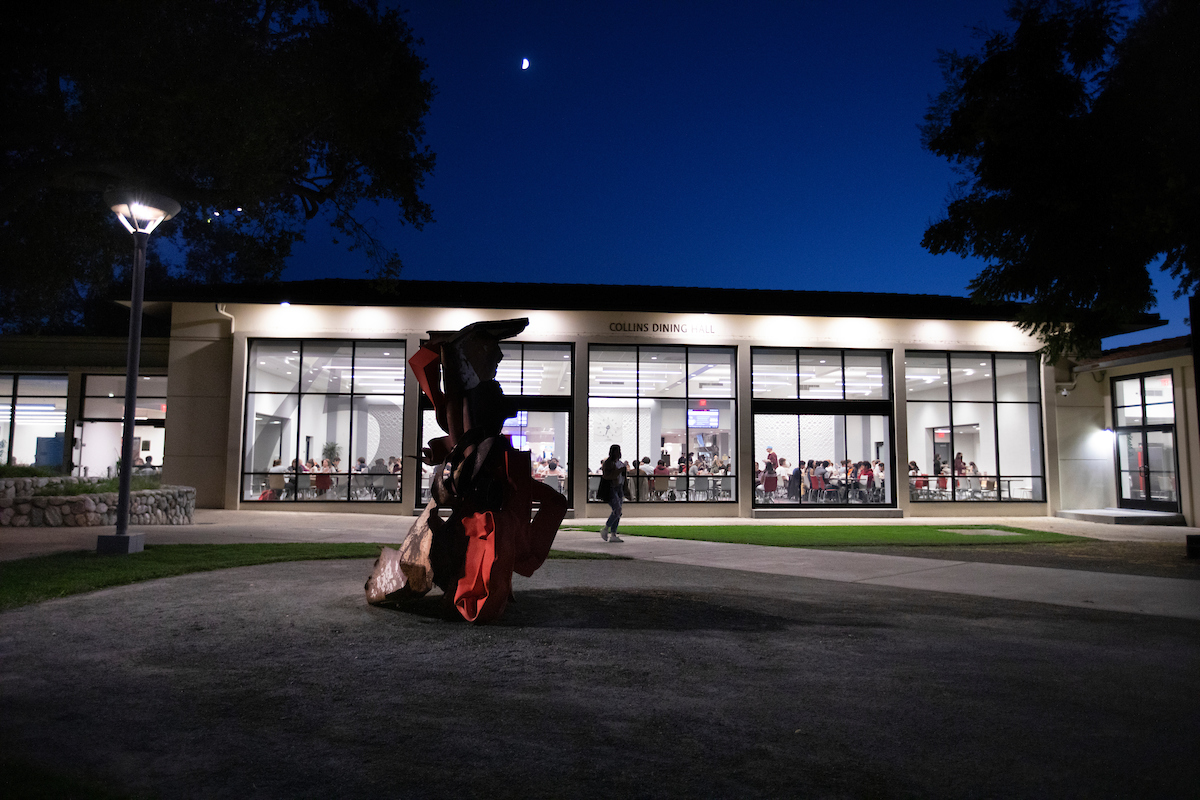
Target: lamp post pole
{"points": [[132, 362], [140, 213]]}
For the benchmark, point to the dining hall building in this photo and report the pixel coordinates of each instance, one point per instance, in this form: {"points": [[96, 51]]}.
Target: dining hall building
{"points": [[946, 398]]}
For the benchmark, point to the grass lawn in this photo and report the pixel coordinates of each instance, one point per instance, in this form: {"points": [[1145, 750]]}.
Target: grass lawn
{"points": [[31, 580], [841, 535]]}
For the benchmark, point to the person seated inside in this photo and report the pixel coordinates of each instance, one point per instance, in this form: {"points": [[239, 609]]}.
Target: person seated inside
{"points": [[554, 469]]}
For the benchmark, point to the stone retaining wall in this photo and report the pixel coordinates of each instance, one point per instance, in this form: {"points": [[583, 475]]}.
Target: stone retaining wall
{"points": [[169, 505]]}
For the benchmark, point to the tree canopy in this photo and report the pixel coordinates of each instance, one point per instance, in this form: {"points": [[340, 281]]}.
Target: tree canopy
{"points": [[1075, 136], [256, 116]]}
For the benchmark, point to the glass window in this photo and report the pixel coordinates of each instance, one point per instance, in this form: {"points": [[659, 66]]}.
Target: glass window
{"points": [[677, 432], [955, 450], [1128, 392], [274, 366], [926, 376], [324, 420], [1158, 389], [41, 386], [822, 458], [661, 372], [971, 376], [975, 437], [929, 437], [326, 367], [1018, 378], [612, 371], [5, 428], [429, 430], [546, 370], [1144, 400], [379, 368], [710, 372], [39, 425], [867, 376], [773, 373], [820, 374], [508, 371]]}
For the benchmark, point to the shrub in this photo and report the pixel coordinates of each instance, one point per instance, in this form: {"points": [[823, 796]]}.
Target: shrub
{"points": [[137, 483], [27, 472]]}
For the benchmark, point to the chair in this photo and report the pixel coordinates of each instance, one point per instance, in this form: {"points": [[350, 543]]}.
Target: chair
{"points": [[701, 485], [770, 484], [387, 487], [726, 490], [662, 485], [322, 482], [303, 485], [277, 483], [358, 486], [554, 482]]}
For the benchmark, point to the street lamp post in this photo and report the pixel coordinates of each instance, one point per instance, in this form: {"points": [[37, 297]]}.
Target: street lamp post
{"points": [[140, 212]]}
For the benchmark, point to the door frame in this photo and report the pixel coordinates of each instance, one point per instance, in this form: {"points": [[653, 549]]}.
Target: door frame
{"points": [[1147, 504]]}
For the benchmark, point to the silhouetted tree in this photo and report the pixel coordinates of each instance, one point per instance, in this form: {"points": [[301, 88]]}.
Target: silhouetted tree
{"points": [[1076, 138], [256, 116]]}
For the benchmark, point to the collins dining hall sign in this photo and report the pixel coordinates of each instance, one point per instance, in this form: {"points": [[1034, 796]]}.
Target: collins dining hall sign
{"points": [[662, 327]]}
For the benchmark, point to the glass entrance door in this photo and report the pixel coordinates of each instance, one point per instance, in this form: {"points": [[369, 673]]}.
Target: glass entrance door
{"points": [[1146, 473]]}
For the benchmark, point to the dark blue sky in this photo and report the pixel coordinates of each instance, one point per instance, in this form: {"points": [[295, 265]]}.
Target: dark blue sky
{"points": [[768, 145]]}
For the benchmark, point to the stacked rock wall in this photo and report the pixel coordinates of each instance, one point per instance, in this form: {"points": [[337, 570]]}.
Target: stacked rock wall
{"points": [[19, 508]]}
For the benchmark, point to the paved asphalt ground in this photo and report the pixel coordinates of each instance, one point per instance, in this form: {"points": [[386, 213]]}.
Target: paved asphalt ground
{"points": [[691, 669]]}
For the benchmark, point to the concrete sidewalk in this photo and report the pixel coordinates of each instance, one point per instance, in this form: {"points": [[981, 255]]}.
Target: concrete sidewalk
{"points": [[1168, 597]]}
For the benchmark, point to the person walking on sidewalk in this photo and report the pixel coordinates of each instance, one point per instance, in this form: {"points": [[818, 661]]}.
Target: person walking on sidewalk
{"points": [[612, 472]]}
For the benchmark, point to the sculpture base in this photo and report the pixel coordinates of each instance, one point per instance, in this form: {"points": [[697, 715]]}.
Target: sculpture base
{"points": [[121, 545]]}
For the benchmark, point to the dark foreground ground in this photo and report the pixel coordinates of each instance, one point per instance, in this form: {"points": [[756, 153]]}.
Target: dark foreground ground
{"points": [[606, 679]]}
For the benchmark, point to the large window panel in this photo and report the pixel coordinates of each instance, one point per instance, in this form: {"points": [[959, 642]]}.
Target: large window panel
{"points": [[42, 386], [975, 436], [773, 373], [323, 408], [378, 426], [681, 413], [273, 366], [271, 423], [325, 430], [928, 435], [820, 374], [379, 368], [971, 376], [612, 372], [1021, 445], [1018, 378], [662, 372], [546, 370], [327, 367], [710, 372], [867, 377], [992, 393], [927, 377], [38, 429]]}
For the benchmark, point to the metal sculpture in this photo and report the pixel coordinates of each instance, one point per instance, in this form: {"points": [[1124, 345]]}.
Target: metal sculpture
{"points": [[485, 484]]}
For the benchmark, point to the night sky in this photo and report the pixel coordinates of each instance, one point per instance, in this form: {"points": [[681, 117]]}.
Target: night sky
{"points": [[769, 145]]}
